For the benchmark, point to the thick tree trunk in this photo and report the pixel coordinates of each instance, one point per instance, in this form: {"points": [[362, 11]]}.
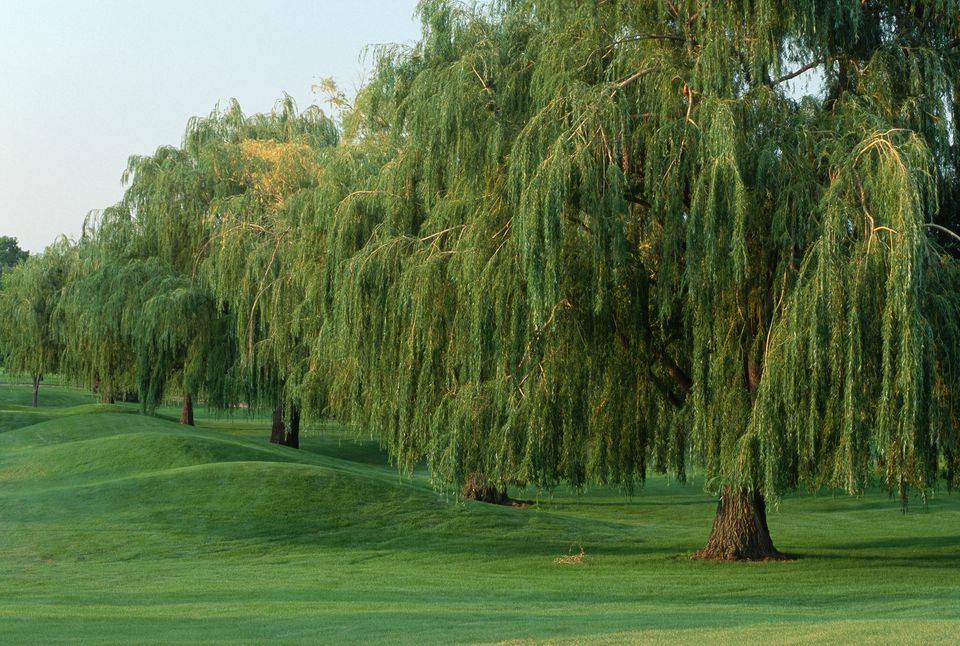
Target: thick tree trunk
{"points": [[280, 434], [277, 432], [292, 436], [36, 390], [186, 413], [740, 531], [476, 488]]}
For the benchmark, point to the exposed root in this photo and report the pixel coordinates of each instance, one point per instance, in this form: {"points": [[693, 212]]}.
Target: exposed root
{"points": [[708, 555], [473, 490]]}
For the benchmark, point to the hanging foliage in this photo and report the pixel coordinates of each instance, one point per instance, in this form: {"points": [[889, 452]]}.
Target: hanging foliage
{"points": [[611, 236], [29, 293], [558, 241]]}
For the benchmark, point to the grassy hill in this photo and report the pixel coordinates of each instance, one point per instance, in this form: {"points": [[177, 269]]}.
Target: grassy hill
{"points": [[121, 528]]}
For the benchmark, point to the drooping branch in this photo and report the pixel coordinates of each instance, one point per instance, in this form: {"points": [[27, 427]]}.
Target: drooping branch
{"points": [[260, 291], [943, 229]]}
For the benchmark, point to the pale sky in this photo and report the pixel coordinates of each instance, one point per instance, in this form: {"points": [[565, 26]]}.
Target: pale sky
{"points": [[85, 84]]}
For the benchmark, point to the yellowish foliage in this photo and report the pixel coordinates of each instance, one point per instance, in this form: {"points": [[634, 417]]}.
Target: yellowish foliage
{"points": [[276, 169]]}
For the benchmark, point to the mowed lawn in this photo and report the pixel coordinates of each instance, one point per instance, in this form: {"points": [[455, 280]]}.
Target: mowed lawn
{"points": [[116, 528]]}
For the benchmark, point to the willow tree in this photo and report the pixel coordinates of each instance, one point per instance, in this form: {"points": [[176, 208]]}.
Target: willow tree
{"points": [[254, 262], [95, 310], [29, 294], [182, 337], [622, 235]]}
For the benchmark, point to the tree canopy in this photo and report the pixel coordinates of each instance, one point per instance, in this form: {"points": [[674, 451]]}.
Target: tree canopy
{"points": [[29, 295], [11, 253], [610, 236], [557, 241]]}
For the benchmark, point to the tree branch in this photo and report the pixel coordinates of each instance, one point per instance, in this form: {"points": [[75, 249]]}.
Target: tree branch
{"points": [[665, 389], [575, 220], [798, 72], [676, 372], [633, 39], [619, 85], [696, 14], [943, 229], [633, 198]]}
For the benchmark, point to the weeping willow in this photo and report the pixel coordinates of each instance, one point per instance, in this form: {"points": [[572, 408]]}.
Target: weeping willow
{"points": [[189, 285], [558, 241], [268, 164], [29, 294], [98, 309], [608, 237]]}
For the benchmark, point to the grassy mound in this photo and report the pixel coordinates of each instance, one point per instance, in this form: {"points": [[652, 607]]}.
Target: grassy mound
{"points": [[51, 396], [17, 411], [120, 528]]}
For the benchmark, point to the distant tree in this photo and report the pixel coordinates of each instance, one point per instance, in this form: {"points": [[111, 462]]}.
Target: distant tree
{"points": [[165, 203], [11, 253], [254, 261], [29, 294], [100, 301]]}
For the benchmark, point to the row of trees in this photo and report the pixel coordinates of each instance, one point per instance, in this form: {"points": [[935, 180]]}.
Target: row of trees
{"points": [[558, 241]]}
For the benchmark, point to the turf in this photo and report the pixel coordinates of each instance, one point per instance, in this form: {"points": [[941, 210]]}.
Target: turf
{"points": [[120, 528]]}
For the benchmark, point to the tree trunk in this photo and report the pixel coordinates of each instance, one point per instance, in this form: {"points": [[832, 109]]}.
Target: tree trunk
{"points": [[740, 531], [280, 434], [36, 390], [277, 433], [186, 413], [292, 436], [476, 488]]}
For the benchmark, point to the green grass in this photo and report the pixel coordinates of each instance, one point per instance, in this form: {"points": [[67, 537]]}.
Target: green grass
{"points": [[50, 397], [120, 528]]}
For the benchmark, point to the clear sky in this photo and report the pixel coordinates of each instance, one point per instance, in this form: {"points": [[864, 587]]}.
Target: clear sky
{"points": [[85, 84]]}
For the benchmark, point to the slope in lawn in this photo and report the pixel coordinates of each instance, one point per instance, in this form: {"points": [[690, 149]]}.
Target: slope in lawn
{"points": [[130, 485], [98, 446], [128, 529], [17, 411], [51, 396]]}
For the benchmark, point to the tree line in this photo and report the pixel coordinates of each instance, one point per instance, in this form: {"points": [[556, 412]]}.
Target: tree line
{"points": [[556, 241]]}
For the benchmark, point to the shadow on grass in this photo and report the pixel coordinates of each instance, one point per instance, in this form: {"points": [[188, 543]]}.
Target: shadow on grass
{"points": [[915, 551], [12, 420], [637, 502]]}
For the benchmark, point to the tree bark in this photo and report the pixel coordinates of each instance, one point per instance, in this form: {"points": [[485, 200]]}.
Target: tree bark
{"points": [[277, 432], [740, 531], [292, 436], [280, 433], [36, 390], [186, 413]]}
